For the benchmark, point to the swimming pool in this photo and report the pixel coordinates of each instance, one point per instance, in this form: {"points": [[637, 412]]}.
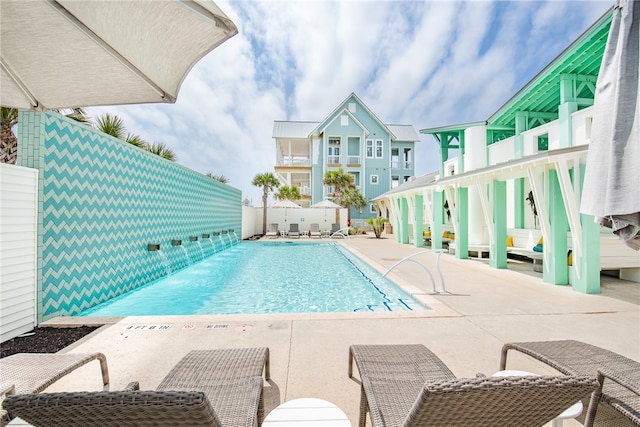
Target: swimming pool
{"points": [[266, 277]]}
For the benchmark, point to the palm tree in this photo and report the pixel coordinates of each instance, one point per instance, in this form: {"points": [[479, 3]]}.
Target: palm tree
{"points": [[137, 141], [111, 125], [78, 114], [162, 150], [287, 192], [339, 180], [268, 182], [223, 179], [8, 140], [345, 192], [352, 197]]}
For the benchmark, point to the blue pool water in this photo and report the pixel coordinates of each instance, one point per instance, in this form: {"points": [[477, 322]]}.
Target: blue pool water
{"points": [[257, 277]]}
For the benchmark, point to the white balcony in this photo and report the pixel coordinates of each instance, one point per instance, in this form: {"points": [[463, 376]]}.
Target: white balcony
{"points": [[502, 151], [294, 161], [334, 160], [353, 160]]}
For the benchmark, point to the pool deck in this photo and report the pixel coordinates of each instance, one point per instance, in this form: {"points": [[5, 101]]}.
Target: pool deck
{"points": [[309, 352]]}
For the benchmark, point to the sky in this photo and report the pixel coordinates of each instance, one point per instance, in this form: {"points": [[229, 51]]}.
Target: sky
{"points": [[425, 64]]}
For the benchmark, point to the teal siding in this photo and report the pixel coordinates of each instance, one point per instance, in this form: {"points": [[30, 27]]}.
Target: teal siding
{"points": [[102, 201]]}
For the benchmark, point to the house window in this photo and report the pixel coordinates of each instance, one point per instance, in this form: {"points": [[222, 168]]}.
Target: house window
{"points": [[333, 154], [369, 148], [344, 120], [373, 208], [395, 181], [395, 158], [408, 160], [379, 149], [374, 179]]}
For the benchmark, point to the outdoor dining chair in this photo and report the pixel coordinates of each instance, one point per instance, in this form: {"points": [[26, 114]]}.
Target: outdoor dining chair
{"points": [[206, 388], [616, 402], [408, 385]]}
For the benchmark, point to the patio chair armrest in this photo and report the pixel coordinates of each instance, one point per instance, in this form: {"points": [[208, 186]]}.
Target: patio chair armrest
{"points": [[626, 379], [623, 378]]}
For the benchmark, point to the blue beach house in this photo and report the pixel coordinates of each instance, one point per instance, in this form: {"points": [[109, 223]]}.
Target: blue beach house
{"points": [[379, 156]]}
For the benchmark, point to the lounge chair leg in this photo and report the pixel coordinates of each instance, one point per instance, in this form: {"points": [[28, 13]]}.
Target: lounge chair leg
{"points": [[350, 363]]}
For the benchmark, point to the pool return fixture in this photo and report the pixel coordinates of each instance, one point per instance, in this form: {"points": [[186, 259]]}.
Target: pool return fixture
{"points": [[155, 247], [410, 258], [195, 239]]}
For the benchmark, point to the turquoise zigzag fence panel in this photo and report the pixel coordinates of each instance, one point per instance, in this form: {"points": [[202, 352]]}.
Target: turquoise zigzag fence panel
{"points": [[103, 201]]}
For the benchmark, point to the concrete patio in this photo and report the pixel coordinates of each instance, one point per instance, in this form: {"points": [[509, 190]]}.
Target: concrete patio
{"points": [[309, 351]]}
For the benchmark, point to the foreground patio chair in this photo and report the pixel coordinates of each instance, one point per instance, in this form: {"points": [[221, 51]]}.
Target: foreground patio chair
{"points": [[33, 372], [616, 402], [206, 388], [272, 231], [408, 385]]}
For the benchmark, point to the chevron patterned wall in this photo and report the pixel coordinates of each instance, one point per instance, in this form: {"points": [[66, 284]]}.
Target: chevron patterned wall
{"points": [[102, 201]]}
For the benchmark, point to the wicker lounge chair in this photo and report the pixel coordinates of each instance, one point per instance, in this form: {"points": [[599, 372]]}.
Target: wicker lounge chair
{"points": [[272, 231], [617, 402], [407, 385], [294, 231], [314, 231], [206, 388], [33, 372]]}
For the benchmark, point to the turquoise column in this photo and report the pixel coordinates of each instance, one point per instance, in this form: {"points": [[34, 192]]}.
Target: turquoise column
{"points": [[568, 106], [404, 215], [498, 250], [418, 218], [589, 280], [521, 126], [518, 201], [462, 237], [556, 250], [398, 225], [438, 219]]}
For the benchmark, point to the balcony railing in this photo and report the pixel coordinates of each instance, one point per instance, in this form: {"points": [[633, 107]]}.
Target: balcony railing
{"points": [[334, 160], [353, 160], [406, 164], [294, 161]]}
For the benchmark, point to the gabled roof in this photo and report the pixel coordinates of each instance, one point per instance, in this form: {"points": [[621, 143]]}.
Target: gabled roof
{"points": [[327, 119], [418, 182], [282, 129], [404, 132], [304, 129], [326, 123]]}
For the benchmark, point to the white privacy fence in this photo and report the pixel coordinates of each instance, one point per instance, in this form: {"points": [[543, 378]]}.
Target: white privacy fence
{"points": [[18, 249]]}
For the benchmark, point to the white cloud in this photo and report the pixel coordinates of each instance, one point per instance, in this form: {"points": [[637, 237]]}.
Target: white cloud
{"points": [[421, 63]]}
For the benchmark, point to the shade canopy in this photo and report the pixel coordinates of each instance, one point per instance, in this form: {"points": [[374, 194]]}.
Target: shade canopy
{"points": [[611, 190], [69, 53], [285, 204], [326, 204]]}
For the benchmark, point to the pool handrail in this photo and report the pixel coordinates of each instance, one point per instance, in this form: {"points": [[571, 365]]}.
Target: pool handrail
{"points": [[409, 258], [342, 232]]}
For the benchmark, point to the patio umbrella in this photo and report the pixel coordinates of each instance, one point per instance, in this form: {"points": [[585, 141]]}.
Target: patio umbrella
{"points": [[286, 204], [68, 53], [328, 204], [611, 191]]}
